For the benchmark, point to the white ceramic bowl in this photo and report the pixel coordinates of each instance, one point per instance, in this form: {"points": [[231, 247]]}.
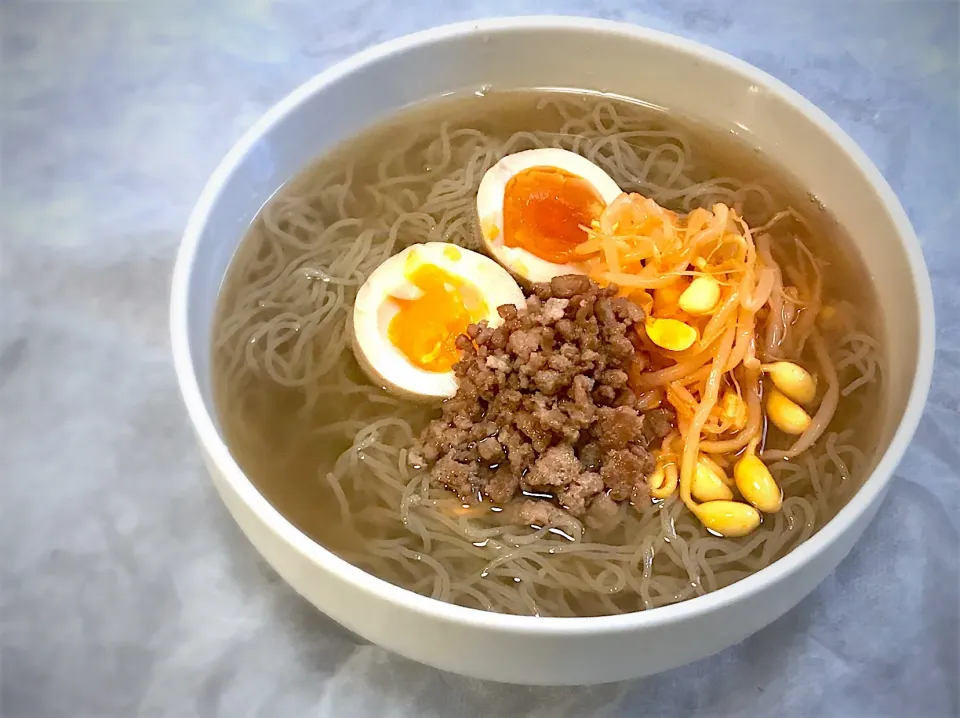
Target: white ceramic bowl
{"points": [[552, 52]]}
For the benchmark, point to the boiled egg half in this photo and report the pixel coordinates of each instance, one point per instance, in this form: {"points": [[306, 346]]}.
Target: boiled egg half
{"points": [[534, 206], [410, 311]]}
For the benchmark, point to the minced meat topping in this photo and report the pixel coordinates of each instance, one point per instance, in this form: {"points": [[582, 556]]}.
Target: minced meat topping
{"points": [[543, 407]]}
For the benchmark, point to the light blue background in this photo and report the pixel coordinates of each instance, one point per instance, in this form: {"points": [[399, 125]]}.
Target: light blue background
{"points": [[126, 589]]}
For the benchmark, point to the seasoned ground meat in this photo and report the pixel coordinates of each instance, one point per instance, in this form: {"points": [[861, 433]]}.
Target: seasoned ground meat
{"points": [[616, 428], [575, 495], [460, 478], [624, 468], [543, 406], [542, 514], [564, 287], [490, 450], [591, 456], [658, 423], [603, 513], [557, 466], [501, 485]]}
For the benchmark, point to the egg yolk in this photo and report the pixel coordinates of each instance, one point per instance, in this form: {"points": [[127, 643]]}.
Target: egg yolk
{"points": [[546, 211], [425, 329]]}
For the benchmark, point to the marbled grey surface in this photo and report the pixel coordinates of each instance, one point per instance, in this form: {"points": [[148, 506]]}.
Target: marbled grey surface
{"points": [[126, 588]]}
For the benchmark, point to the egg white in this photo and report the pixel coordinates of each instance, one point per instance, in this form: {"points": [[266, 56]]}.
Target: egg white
{"points": [[383, 362], [490, 196]]}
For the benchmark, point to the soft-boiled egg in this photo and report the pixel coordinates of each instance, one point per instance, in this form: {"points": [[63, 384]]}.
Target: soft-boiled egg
{"points": [[410, 311], [534, 206]]}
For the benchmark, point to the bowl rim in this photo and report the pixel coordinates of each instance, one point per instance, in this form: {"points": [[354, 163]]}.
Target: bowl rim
{"points": [[436, 609]]}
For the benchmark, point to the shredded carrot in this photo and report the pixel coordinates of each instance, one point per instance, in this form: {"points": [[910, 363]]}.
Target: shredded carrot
{"points": [[653, 255], [610, 254]]}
